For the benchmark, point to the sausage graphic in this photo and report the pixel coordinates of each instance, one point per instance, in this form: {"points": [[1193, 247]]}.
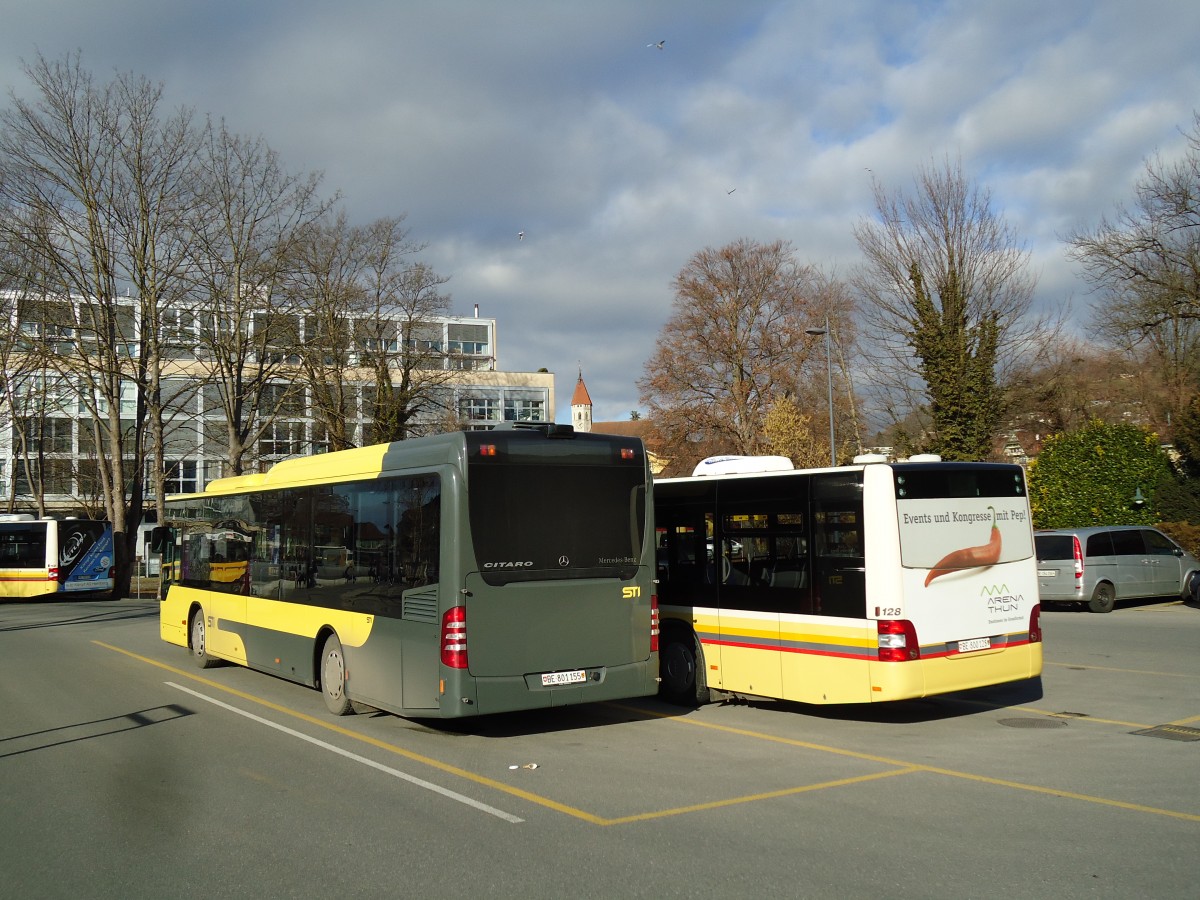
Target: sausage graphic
{"points": [[969, 557]]}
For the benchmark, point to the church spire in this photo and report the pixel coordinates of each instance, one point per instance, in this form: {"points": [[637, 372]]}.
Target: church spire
{"points": [[581, 406]]}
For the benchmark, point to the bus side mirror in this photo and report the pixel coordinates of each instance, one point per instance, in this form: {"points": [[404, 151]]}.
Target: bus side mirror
{"points": [[161, 540]]}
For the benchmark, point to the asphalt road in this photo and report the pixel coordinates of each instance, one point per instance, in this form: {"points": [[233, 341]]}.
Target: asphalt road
{"points": [[127, 773]]}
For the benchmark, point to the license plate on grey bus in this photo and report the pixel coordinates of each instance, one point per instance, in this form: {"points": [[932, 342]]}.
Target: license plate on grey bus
{"points": [[974, 644], [552, 678]]}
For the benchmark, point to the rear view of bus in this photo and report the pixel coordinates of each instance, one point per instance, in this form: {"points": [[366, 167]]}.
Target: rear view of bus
{"points": [[968, 614], [442, 576], [858, 584], [40, 557], [28, 556], [557, 602]]}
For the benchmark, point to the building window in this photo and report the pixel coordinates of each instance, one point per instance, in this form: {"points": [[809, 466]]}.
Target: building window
{"points": [[479, 408], [282, 439], [524, 409], [320, 439], [57, 477], [48, 435], [282, 400], [469, 340], [179, 476]]}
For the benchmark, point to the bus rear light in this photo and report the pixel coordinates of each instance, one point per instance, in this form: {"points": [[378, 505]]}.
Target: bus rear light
{"points": [[897, 640], [52, 573], [487, 449], [1035, 624], [627, 453], [454, 637], [1077, 552], [654, 622]]}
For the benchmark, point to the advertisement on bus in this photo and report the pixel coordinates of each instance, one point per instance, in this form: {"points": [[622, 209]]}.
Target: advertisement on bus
{"points": [[85, 555]]}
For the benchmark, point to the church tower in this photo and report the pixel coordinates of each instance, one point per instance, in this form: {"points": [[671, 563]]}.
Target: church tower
{"points": [[581, 406]]}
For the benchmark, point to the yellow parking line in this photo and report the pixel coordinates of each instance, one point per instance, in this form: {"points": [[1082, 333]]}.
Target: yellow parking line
{"points": [[750, 798], [950, 773], [1123, 671], [367, 739], [900, 767], [983, 704]]}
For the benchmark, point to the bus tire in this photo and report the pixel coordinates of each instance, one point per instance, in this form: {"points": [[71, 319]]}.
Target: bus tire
{"points": [[198, 641], [681, 669], [1103, 598], [333, 677]]}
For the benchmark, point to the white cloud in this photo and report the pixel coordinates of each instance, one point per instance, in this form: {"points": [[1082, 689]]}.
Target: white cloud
{"points": [[481, 119]]}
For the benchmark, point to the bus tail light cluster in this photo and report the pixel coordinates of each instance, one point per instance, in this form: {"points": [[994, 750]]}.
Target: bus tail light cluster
{"points": [[1035, 624], [897, 641], [454, 637], [654, 622], [52, 573]]}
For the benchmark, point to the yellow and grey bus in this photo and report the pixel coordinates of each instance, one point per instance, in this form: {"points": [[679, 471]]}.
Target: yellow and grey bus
{"points": [[452, 575], [871, 582]]}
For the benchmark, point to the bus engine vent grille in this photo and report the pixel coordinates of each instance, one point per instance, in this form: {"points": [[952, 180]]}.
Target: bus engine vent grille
{"points": [[421, 606]]}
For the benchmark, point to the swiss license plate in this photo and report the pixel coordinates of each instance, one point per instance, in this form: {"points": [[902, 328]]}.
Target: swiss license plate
{"points": [[552, 678], [974, 644], [1046, 573]]}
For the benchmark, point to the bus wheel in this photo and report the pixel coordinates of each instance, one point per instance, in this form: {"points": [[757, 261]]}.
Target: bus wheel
{"points": [[199, 644], [1103, 598], [681, 668], [333, 678]]}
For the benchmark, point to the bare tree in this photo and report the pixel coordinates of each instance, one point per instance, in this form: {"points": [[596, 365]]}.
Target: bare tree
{"points": [[326, 285], [97, 179], [946, 293], [735, 347], [1145, 263], [250, 215], [400, 337], [373, 316]]}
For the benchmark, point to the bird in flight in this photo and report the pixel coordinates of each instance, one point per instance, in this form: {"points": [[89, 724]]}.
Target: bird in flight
{"points": [[731, 190], [520, 235], [658, 45]]}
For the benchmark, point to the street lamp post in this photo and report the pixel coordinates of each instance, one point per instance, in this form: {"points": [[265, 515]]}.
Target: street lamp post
{"points": [[829, 383]]}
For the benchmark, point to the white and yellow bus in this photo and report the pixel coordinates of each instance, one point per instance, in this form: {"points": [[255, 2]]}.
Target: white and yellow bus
{"points": [[452, 575], [872, 582], [44, 557]]}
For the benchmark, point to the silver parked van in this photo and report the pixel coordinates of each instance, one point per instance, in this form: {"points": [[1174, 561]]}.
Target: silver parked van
{"points": [[1099, 566]]}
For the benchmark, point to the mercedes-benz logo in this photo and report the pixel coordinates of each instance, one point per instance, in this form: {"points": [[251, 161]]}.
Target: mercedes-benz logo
{"points": [[564, 561]]}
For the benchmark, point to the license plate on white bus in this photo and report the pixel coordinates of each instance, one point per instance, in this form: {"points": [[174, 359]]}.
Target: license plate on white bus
{"points": [[974, 644], [549, 679]]}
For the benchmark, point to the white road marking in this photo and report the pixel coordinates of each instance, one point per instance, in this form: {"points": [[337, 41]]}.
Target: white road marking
{"points": [[403, 776]]}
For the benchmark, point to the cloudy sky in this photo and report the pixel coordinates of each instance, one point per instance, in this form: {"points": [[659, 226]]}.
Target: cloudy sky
{"points": [[619, 160]]}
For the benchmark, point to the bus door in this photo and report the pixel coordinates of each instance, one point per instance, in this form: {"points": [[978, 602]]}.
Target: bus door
{"points": [[837, 512], [686, 565], [749, 617]]}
